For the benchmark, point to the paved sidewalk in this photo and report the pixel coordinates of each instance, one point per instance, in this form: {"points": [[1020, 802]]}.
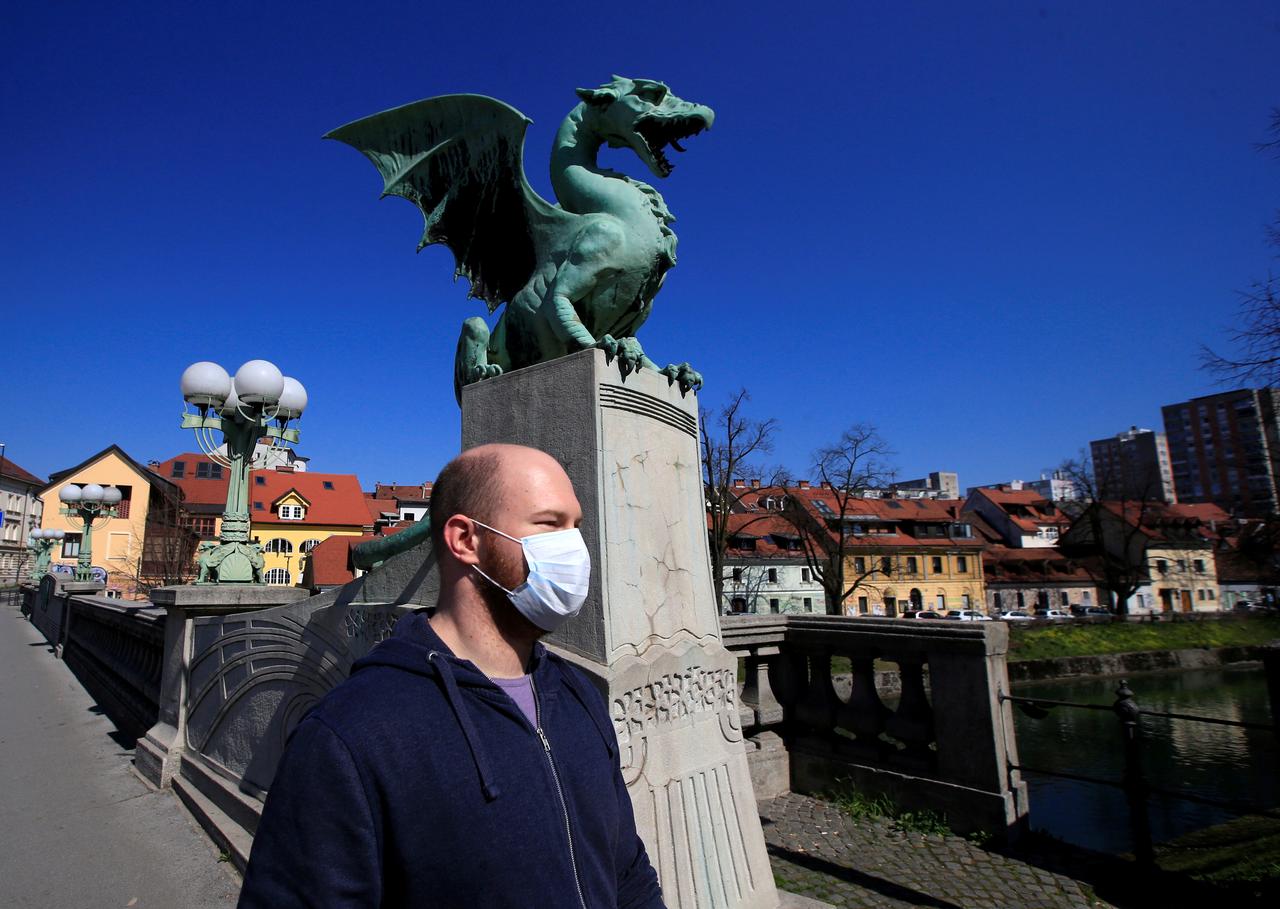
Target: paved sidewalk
{"points": [[819, 851], [77, 827]]}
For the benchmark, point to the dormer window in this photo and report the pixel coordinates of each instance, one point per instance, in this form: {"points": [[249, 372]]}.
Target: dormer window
{"points": [[292, 513]]}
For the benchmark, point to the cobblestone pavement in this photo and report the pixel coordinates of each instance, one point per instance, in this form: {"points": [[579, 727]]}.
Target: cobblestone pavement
{"points": [[818, 851]]}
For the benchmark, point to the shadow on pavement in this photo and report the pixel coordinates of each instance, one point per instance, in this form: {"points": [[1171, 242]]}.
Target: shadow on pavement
{"points": [[860, 879]]}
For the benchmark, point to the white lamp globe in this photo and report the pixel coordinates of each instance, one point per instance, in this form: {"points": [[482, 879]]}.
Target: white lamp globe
{"points": [[205, 383], [293, 400], [91, 494], [111, 496], [230, 405], [69, 494], [37, 534], [259, 382], [56, 534]]}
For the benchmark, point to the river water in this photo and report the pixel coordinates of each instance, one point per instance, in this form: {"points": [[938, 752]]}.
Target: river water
{"points": [[1221, 762]]}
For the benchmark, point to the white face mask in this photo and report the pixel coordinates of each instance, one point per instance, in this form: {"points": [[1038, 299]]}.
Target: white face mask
{"points": [[559, 574]]}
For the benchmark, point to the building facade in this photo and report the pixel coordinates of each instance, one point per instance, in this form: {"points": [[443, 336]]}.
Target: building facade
{"points": [[145, 545], [1225, 449], [1133, 465], [291, 513], [21, 509]]}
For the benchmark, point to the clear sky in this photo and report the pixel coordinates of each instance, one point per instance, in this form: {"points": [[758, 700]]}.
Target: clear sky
{"points": [[994, 230]]}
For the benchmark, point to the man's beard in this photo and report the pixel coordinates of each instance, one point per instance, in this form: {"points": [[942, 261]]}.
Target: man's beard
{"points": [[510, 573]]}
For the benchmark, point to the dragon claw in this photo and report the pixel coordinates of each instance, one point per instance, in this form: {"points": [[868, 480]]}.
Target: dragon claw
{"points": [[689, 378], [609, 345], [630, 356]]}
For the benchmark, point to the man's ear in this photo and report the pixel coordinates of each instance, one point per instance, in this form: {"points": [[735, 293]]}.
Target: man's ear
{"points": [[461, 539]]}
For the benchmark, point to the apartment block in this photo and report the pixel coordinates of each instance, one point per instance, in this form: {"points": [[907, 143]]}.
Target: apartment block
{"points": [[1133, 465]]}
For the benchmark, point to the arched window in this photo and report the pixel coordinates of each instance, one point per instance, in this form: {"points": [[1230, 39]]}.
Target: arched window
{"points": [[917, 598], [278, 577], [280, 545], [308, 545]]}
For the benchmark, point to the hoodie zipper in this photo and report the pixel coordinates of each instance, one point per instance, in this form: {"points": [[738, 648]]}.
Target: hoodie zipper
{"points": [[555, 776]]}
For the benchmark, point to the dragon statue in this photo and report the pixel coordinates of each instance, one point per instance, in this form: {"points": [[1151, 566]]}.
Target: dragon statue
{"points": [[575, 275]]}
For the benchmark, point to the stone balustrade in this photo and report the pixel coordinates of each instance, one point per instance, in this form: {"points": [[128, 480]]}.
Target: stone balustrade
{"points": [[941, 741], [114, 647]]}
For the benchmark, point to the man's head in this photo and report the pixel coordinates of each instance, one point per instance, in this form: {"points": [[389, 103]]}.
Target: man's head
{"points": [[517, 490]]}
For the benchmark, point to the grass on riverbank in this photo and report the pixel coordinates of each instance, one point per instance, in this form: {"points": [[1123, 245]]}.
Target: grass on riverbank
{"points": [[860, 806], [1066, 640], [1244, 849]]}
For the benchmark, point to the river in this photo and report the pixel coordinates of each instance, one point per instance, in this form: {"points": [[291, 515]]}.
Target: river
{"points": [[1213, 761]]}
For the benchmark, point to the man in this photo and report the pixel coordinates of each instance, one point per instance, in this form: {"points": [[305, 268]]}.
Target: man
{"points": [[462, 764]]}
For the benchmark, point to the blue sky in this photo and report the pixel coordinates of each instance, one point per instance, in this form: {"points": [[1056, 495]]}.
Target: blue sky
{"points": [[994, 230]]}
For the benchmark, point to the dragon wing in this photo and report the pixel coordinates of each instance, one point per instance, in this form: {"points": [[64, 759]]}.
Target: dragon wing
{"points": [[459, 159]]}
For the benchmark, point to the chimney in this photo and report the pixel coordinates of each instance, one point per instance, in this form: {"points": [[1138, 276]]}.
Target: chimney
{"points": [[826, 485], [153, 464], [804, 484], [739, 483], [755, 484]]}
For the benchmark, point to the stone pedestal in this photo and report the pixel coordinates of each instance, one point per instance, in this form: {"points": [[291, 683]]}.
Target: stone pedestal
{"points": [[649, 633], [158, 754]]}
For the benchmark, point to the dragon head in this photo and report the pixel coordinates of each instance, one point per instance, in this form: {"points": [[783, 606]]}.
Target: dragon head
{"points": [[645, 116]]}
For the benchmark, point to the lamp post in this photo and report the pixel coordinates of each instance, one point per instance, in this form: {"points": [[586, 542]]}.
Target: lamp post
{"points": [[41, 543], [258, 402], [88, 504]]}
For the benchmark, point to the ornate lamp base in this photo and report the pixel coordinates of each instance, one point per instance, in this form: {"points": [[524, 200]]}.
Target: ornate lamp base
{"points": [[230, 563]]}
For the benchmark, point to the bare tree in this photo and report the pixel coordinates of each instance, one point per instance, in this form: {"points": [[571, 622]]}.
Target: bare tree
{"points": [[1109, 533], [168, 546], [732, 444], [855, 464], [1256, 337]]}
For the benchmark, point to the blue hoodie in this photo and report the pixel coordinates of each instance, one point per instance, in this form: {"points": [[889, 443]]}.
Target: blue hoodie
{"points": [[418, 782]]}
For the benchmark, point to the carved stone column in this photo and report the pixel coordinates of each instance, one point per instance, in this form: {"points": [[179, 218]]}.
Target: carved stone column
{"points": [[649, 633]]}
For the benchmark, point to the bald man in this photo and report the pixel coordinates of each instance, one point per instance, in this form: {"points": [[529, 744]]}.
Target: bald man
{"points": [[462, 764]]}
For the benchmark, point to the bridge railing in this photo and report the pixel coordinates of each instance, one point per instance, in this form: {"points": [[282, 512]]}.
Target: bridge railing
{"points": [[113, 646], [940, 738]]}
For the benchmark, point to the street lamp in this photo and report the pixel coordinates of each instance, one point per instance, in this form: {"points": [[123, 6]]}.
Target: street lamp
{"points": [[258, 402], [89, 504], [41, 543]]}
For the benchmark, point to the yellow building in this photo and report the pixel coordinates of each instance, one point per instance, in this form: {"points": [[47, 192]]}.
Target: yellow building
{"points": [[1184, 578], [291, 512], [139, 548]]}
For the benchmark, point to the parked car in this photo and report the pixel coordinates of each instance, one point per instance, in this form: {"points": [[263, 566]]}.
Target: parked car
{"points": [[967, 615], [920, 614], [1096, 611], [1014, 615], [1053, 615]]}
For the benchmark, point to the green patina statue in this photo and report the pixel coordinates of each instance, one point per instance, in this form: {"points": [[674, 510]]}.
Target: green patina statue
{"points": [[576, 275]]}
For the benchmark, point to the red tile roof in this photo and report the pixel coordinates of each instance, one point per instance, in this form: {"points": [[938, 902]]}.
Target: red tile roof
{"points": [[13, 472], [418, 493], [329, 563], [343, 505], [196, 491], [378, 506]]}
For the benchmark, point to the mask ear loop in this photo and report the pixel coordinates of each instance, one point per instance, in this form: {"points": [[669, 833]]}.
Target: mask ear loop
{"points": [[492, 581], [501, 534]]}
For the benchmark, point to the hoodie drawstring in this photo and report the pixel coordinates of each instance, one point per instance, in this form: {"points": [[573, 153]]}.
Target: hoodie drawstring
{"points": [[489, 789]]}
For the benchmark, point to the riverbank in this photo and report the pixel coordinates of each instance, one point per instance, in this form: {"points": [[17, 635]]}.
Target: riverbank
{"points": [[1118, 664], [1048, 641]]}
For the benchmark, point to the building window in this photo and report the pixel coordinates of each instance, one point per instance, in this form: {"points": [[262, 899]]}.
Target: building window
{"points": [[737, 575], [259, 480], [207, 470], [773, 605], [179, 470], [937, 564], [1086, 598], [804, 576], [965, 601], [962, 564], [1063, 598], [308, 545], [1212, 594], [278, 577], [258, 506], [886, 565], [1200, 594], [202, 524], [327, 484], [279, 545], [291, 512], [1199, 566], [862, 605], [996, 600], [71, 545], [1182, 564], [912, 566], [808, 604], [860, 564], [942, 602], [773, 575], [1162, 566]]}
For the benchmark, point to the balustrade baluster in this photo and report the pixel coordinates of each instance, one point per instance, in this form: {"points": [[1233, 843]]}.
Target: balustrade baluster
{"points": [[912, 722], [757, 693], [864, 715], [816, 709]]}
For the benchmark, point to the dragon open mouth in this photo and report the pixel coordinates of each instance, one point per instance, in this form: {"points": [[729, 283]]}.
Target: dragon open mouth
{"points": [[658, 133]]}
